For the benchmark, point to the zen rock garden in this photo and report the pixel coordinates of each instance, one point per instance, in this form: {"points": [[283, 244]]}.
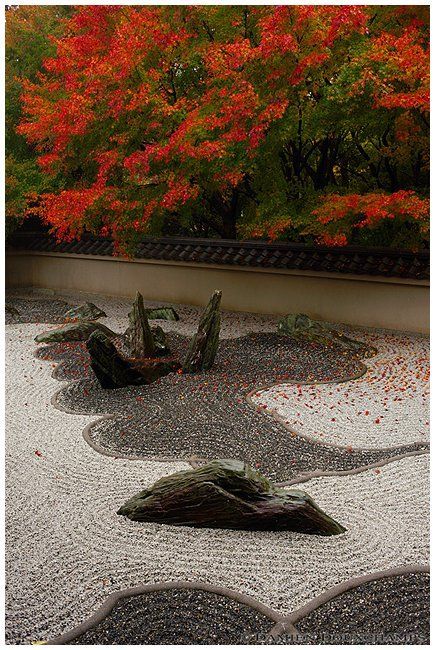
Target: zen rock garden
{"points": [[225, 462], [221, 494]]}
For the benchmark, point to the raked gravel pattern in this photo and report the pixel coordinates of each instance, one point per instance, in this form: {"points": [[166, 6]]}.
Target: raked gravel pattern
{"points": [[386, 407], [207, 415], [234, 324], [393, 610], [175, 617], [67, 550], [34, 310]]}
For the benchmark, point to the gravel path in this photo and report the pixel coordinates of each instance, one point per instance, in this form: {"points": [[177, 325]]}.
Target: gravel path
{"points": [[387, 407], [70, 550], [34, 310]]}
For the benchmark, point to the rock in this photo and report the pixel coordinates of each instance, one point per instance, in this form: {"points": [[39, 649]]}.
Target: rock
{"points": [[88, 311], [228, 494], [79, 331], [302, 328], [12, 311], [139, 333], [115, 371], [204, 345], [163, 313], [160, 345]]}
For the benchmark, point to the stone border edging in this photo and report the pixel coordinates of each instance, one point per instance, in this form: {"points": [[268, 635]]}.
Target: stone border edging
{"points": [[283, 624], [108, 416], [114, 598], [287, 624], [195, 462], [308, 476], [282, 421]]}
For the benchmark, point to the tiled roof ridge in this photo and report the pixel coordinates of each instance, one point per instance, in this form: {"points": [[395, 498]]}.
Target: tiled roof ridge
{"points": [[279, 255]]}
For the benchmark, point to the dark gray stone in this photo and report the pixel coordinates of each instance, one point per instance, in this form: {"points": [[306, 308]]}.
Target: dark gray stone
{"points": [[162, 313], [302, 328], [228, 494], [160, 343], [114, 371], [141, 341], [88, 311], [79, 331], [205, 342]]}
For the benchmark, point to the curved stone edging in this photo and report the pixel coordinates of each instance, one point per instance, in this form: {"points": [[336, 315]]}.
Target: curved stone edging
{"points": [[304, 478], [288, 624], [101, 450], [384, 357], [112, 600], [282, 421], [283, 624], [194, 461]]}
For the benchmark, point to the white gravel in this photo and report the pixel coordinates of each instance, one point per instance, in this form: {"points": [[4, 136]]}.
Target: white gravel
{"points": [[67, 550], [233, 324], [386, 407]]}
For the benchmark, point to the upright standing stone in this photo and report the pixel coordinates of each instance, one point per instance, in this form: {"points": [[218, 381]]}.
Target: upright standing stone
{"points": [[204, 345], [139, 332]]}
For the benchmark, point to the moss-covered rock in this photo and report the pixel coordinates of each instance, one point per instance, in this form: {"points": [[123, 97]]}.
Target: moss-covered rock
{"points": [[79, 331], [88, 311], [203, 347], [303, 328], [162, 313], [115, 371], [228, 494], [139, 335]]}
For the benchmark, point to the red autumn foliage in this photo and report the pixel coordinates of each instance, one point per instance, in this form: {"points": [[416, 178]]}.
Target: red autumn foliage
{"points": [[150, 112]]}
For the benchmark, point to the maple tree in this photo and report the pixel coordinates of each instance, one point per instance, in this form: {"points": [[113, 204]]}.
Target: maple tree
{"points": [[27, 44], [234, 121]]}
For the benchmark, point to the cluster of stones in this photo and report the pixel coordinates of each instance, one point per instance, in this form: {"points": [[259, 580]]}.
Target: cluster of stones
{"points": [[302, 328], [239, 497], [145, 344], [223, 494]]}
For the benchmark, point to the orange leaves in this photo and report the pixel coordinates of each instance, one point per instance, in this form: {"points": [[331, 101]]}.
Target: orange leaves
{"points": [[179, 193], [333, 240], [151, 111], [396, 66], [368, 211]]}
